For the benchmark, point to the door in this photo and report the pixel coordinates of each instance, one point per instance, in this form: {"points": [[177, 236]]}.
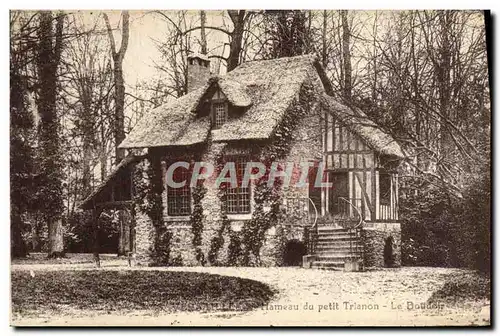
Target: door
{"points": [[339, 188]]}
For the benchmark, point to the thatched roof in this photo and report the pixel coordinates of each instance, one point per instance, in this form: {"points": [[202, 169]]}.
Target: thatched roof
{"points": [[235, 92], [359, 123], [266, 89], [272, 86], [172, 124], [125, 163]]}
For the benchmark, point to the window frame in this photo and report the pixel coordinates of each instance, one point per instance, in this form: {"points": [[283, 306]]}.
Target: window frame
{"points": [[185, 194], [241, 197], [214, 112]]}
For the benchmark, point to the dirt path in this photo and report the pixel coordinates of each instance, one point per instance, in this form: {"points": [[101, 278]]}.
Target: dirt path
{"points": [[305, 297]]}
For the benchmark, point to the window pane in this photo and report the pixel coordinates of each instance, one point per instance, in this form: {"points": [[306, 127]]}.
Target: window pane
{"points": [[220, 116], [179, 199], [237, 200]]}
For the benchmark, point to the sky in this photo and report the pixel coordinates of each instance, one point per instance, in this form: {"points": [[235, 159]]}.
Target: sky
{"points": [[145, 28]]}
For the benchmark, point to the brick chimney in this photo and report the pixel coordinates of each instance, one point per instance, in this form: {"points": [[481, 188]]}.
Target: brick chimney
{"points": [[198, 71]]}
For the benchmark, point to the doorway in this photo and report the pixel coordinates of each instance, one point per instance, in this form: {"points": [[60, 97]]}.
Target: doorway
{"points": [[339, 188]]}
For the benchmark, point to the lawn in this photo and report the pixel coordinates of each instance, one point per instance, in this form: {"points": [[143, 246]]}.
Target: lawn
{"points": [[39, 258], [463, 287], [53, 292]]}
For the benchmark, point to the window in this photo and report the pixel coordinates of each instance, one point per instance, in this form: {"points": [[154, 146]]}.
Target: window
{"points": [[385, 188], [179, 199], [219, 114], [237, 200]]}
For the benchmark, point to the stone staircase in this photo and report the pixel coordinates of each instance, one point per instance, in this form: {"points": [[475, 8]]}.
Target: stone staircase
{"points": [[333, 246]]}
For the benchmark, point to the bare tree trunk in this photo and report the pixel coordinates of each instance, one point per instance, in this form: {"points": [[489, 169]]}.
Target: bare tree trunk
{"points": [[346, 41], [443, 69], [119, 129], [375, 71], [324, 51], [56, 238], [95, 236], [238, 19], [35, 234], [124, 239], [203, 22]]}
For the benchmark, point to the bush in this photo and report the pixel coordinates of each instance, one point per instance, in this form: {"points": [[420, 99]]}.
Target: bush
{"points": [[472, 232], [438, 228], [426, 225], [469, 286], [79, 237]]}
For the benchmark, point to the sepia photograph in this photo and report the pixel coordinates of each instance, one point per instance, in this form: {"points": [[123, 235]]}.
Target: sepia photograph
{"points": [[181, 168]]}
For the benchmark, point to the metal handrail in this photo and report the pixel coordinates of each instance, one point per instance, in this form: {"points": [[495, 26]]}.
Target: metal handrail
{"points": [[357, 210], [354, 229], [312, 231], [315, 213]]}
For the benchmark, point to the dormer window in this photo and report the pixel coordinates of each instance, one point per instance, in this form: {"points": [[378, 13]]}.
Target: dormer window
{"points": [[219, 114]]}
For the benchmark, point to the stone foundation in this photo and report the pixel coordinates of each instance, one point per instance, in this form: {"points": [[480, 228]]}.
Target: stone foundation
{"points": [[144, 238], [271, 252], [374, 239], [181, 246]]}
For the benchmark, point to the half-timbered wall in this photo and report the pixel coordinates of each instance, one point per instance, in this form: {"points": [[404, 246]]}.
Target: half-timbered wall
{"points": [[345, 152]]}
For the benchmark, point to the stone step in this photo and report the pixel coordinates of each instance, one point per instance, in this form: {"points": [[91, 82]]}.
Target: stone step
{"points": [[328, 268], [327, 249], [336, 238], [335, 231], [331, 228], [327, 264], [336, 258], [338, 242], [334, 248]]}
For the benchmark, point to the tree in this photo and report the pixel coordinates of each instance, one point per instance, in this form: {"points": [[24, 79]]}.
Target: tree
{"points": [[119, 130], [235, 35], [50, 44], [21, 149], [118, 56], [88, 96], [346, 59], [288, 33]]}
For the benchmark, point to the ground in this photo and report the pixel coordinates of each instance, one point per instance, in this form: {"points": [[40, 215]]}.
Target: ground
{"points": [[304, 297]]}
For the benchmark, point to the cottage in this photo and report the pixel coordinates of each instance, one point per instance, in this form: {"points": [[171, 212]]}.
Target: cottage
{"points": [[273, 112]]}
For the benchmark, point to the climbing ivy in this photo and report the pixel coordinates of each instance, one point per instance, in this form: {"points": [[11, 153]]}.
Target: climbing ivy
{"points": [[148, 189], [234, 250], [254, 231], [196, 220], [271, 196], [218, 241]]}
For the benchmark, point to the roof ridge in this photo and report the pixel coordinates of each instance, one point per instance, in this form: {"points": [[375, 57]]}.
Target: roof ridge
{"points": [[312, 56]]}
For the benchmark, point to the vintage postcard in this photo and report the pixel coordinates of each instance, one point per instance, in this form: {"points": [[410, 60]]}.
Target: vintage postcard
{"points": [[250, 168]]}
